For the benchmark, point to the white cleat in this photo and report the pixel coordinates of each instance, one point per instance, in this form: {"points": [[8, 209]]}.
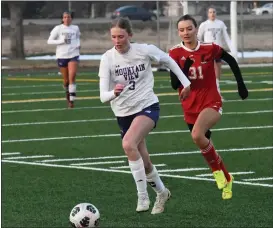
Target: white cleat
{"points": [[161, 199], [143, 202]]}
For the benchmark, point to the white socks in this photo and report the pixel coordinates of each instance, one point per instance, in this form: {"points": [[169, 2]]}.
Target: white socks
{"points": [[138, 171], [154, 181], [72, 92]]}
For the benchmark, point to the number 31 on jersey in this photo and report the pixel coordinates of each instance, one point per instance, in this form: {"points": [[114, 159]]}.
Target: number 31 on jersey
{"points": [[195, 73]]}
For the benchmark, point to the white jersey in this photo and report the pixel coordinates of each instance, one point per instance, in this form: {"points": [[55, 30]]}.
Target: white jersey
{"points": [[215, 32], [133, 69], [67, 39]]}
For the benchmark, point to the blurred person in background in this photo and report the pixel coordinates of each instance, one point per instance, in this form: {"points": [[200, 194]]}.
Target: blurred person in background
{"points": [[214, 30], [67, 39]]}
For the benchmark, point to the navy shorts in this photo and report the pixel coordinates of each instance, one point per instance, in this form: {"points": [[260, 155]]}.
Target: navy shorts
{"points": [[125, 121], [218, 60], [64, 62]]}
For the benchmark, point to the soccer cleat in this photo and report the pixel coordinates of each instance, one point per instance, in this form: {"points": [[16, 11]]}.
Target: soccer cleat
{"points": [[161, 199], [70, 104], [143, 202], [220, 179], [227, 191]]}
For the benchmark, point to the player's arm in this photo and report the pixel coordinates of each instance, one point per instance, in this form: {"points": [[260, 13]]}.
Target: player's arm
{"points": [[174, 80], [201, 31], [54, 37], [162, 57], [104, 73], [243, 92], [228, 40], [78, 34]]}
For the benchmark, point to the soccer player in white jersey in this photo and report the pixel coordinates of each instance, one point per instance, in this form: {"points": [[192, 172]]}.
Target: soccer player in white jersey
{"points": [[67, 38], [214, 30], [127, 81]]}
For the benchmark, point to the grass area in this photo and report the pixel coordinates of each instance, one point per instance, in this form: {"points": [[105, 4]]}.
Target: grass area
{"points": [[40, 191]]}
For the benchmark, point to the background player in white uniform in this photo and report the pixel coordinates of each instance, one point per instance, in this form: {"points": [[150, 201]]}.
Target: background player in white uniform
{"points": [[126, 80], [67, 38], [215, 31]]}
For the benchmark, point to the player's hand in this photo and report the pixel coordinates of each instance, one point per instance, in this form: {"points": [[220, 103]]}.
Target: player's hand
{"points": [[118, 89], [243, 92], [63, 39], [185, 92]]}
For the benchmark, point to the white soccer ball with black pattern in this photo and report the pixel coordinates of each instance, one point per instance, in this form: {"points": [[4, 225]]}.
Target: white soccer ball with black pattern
{"points": [[84, 215]]}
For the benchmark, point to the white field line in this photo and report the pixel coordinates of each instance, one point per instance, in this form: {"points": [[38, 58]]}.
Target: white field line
{"points": [[101, 107], [162, 94], [118, 135], [259, 179], [223, 83], [157, 154], [52, 109], [181, 170], [47, 92], [11, 153], [232, 82], [98, 163], [233, 173], [114, 119], [127, 166], [209, 179], [42, 85], [128, 172], [27, 157]]}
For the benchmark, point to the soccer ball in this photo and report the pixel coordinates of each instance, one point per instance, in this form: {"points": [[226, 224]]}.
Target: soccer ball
{"points": [[84, 215]]}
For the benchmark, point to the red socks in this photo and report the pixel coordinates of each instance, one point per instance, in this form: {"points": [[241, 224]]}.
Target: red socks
{"points": [[214, 160]]}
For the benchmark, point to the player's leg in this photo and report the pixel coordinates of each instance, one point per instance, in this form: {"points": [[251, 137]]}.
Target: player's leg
{"points": [[208, 133], [206, 120], [72, 71], [153, 179], [64, 72], [62, 63], [138, 130]]}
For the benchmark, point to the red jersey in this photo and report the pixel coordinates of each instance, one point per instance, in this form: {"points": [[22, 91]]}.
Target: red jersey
{"points": [[204, 92]]}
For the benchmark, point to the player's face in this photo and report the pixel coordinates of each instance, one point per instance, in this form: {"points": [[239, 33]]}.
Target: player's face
{"points": [[187, 31], [120, 39], [67, 19], [212, 14]]}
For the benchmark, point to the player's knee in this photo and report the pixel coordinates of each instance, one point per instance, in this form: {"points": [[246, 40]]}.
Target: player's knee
{"points": [[129, 146], [197, 137]]}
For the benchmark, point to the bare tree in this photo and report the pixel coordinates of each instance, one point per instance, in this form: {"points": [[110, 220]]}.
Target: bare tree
{"points": [[16, 29]]}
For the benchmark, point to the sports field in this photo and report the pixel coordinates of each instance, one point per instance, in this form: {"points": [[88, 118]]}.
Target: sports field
{"points": [[54, 158]]}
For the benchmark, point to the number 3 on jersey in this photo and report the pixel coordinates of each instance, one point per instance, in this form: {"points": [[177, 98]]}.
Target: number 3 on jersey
{"points": [[133, 85], [196, 73]]}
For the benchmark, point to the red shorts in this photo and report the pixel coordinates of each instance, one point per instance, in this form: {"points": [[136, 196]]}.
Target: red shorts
{"points": [[200, 99], [191, 117]]}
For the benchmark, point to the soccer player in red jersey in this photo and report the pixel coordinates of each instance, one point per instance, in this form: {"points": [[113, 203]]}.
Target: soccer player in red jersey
{"points": [[203, 107]]}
